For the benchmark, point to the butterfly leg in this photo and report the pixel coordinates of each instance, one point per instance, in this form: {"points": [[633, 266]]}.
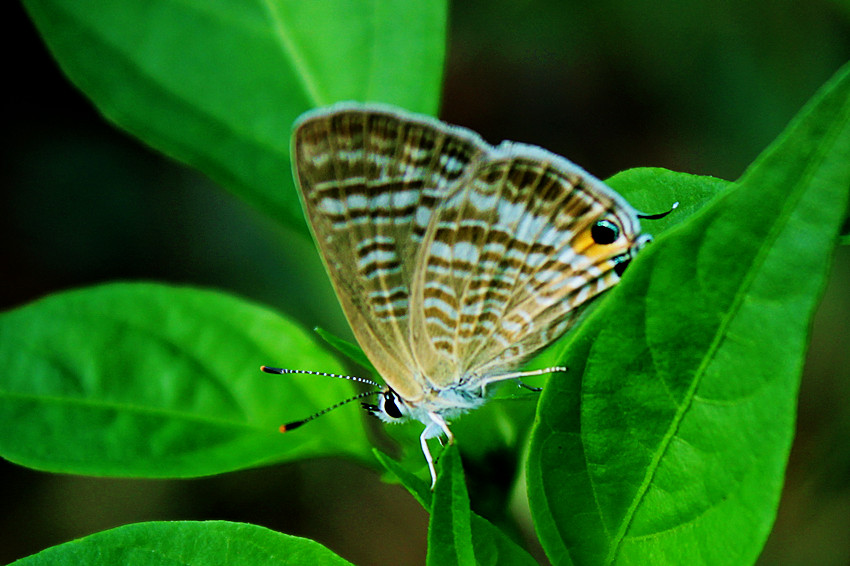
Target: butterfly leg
{"points": [[518, 375], [423, 440], [438, 425]]}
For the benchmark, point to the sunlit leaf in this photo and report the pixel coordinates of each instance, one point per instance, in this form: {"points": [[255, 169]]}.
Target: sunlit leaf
{"points": [[667, 440], [149, 380], [218, 84], [209, 543]]}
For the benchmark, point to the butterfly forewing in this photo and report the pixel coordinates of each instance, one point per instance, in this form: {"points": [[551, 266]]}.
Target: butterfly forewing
{"points": [[370, 181], [508, 262]]}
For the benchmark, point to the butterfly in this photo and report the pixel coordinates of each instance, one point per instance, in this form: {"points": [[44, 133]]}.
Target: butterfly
{"points": [[454, 260]]}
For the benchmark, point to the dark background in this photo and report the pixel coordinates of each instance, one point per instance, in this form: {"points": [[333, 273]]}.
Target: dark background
{"points": [[695, 86]]}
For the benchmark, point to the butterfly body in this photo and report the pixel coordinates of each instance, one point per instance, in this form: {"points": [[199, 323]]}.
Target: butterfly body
{"points": [[454, 261]]}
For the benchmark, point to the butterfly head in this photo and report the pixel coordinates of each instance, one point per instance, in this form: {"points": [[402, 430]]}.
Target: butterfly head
{"points": [[390, 407], [448, 402]]}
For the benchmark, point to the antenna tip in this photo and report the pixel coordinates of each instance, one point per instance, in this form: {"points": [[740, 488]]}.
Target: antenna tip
{"points": [[290, 426], [658, 215], [267, 369]]}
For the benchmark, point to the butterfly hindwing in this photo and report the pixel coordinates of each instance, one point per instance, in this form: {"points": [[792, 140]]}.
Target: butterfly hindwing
{"points": [[509, 261]]}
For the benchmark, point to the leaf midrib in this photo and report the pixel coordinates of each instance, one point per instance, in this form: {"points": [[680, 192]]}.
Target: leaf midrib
{"points": [[285, 38]]}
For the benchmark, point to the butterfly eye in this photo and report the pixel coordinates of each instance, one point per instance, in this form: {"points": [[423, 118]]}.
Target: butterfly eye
{"points": [[390, 407], [605, 232]]}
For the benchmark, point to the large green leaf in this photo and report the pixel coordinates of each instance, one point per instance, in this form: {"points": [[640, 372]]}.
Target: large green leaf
{"points": [[217, 84], [186, 543], [155, 381], [666, 443]]}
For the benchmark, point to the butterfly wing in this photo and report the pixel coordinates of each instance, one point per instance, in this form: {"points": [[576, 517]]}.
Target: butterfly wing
{"points": [[510, 259], [369, 180]]}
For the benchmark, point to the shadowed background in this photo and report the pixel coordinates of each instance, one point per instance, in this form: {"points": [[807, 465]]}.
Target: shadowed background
{"points": [[698, 86]]}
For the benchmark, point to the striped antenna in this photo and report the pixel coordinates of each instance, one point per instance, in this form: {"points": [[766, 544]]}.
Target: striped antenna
{"points": [[295, 424]]}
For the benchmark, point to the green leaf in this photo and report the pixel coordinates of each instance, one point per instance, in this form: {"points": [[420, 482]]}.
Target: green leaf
{"points": [[666, 442], [348, 349], [217, 84], [149, 380], [186, 543], [491, 546], [449, 530], [493, 441], [418, 488]]}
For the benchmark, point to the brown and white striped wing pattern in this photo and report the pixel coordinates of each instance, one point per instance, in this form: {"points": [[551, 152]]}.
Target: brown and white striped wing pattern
{"points": [[453, 260], [369, 181], [509, 260]]}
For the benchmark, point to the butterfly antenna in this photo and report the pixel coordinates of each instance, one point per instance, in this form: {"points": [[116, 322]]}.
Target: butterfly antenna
{"points": [[658, 215], [295, 424], [282, 371]]}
